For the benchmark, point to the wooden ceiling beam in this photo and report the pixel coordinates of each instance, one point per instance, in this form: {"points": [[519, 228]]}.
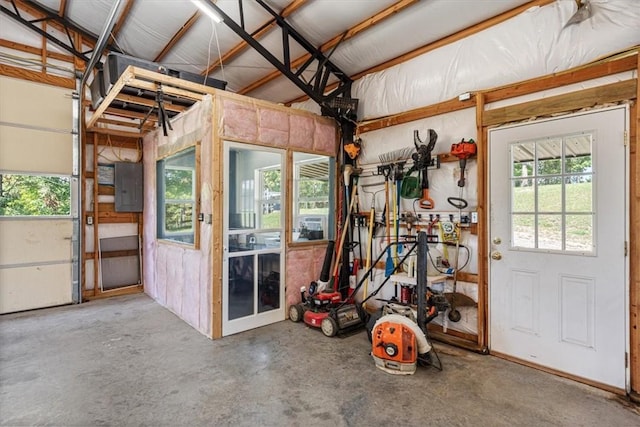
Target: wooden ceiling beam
{"points": [[350, 33], [261, 32], [469, 31], [177, 36], [123, 18], [62, 10]]}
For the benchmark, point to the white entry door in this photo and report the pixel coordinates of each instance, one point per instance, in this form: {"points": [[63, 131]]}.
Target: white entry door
{"points": [[557, 289], [253, 271]]}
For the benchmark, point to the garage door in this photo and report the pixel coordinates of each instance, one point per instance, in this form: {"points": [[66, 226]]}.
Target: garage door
{"points": [[36, 206]]}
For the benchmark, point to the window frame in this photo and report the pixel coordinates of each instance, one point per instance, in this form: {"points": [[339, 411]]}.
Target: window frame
{"points": [[162, 234], [563, 176]]}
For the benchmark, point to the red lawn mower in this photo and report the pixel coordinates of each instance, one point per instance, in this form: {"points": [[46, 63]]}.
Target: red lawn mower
{"points": [[323, 307]]}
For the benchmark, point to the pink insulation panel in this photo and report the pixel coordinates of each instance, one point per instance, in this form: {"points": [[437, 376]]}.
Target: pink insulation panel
{"points": [[240, 121], [176, 276], [302, 130], [303, 267], [324, 139], [274, 127]]}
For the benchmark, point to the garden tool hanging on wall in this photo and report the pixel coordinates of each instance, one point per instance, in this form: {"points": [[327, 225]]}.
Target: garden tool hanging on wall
{"points": [[463, 150], [421, 162]]}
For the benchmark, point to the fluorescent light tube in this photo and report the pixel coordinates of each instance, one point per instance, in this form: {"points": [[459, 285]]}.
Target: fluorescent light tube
{"points": [[208, 11]]}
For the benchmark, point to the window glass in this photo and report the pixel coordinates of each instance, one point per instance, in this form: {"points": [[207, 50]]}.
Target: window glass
{"points": [[35, 195], [552, 194], [312, 197], [176, 181]]}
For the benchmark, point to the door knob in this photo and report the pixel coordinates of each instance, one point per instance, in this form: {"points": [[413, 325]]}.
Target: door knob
{"points": [[497, 240], [496, 255]]}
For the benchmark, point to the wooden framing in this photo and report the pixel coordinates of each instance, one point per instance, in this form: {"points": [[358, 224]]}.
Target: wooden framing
{"points": [[623, 91], [634, 249], [103, 213]]}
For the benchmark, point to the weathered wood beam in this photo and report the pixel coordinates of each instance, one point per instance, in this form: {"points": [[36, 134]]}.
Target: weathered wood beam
{"points": [[350, 33], [261, 32], [177, 36]]}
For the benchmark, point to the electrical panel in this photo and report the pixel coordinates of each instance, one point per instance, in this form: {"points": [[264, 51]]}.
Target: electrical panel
{"points": [[128, 187]]}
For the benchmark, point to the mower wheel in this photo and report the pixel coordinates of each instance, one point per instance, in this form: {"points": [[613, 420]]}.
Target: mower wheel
{"points": [[329, 326], [454, 315], [296, 312]]}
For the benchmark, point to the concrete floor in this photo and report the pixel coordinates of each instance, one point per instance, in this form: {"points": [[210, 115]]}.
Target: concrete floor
{"points": [[128, 361]]}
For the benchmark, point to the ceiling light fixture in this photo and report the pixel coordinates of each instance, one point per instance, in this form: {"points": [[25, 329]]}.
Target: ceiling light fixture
{"points": [[208, 11]]}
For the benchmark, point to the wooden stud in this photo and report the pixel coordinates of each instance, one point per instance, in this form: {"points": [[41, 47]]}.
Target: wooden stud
{"points": [[96, 217], [483, 226], [217, 211], [634, 242]]}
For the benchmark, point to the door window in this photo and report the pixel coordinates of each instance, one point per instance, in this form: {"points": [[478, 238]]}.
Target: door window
{"points": [[552, 194]]}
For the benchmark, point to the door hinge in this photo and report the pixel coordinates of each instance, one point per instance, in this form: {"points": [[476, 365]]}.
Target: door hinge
{"points": [[626, 138], [626, 248]]}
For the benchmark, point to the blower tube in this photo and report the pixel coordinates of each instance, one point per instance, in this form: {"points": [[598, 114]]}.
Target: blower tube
{"points": [[326, 265]]}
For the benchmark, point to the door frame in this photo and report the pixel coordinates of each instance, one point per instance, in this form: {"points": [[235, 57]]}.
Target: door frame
{"points": [[227, 145], [627, 215]]}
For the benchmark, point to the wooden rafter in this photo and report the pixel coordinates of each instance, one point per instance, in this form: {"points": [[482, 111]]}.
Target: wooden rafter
{"points": [[442, 42], [350, 33], [177, 36], [62, 10], [261, 32], [123, 18]]}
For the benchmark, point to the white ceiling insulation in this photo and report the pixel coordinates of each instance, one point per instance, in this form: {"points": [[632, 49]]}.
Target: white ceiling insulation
{"points": [[150, 25]]}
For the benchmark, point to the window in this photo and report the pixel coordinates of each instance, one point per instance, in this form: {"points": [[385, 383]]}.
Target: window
{"points": [[552, 194], [35, 195], [177, 209], [312, 197]]}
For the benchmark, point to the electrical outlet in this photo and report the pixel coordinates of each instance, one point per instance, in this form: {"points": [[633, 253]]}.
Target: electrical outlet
{"points": [[474, 217]]}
